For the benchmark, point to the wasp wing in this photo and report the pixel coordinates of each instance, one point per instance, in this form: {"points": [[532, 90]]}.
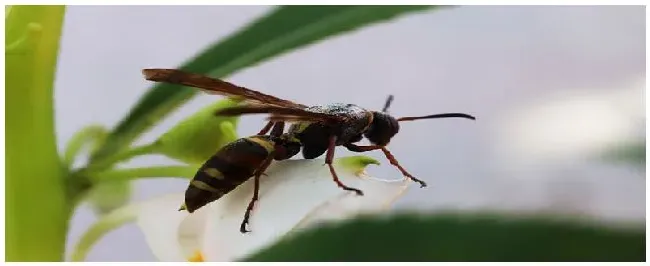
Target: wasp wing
{"points": [[215, 86], [278, 113]]}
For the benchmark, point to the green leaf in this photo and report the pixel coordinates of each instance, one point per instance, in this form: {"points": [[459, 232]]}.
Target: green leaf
{"points": [[356, 164], [459, 237], [37, 207], [633, 153], [282, 30]]}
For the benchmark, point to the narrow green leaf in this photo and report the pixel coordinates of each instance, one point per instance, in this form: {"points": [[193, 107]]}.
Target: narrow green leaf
{"points": [[37, 207], [459, 237], [633, 153], [284, 29]]}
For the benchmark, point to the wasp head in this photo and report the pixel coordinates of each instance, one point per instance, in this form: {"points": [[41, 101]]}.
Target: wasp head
{"points": [[385, 126], [382, 129]]}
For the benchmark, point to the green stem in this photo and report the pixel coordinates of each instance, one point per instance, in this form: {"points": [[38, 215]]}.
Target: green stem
{"points": [[106, 224], [94, 133], [125, 155], [37, 206], [144, 172]]}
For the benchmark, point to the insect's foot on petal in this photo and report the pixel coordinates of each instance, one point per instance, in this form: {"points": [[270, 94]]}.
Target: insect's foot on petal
{"points": [[422, 183], [358, 191], [242, 227]]}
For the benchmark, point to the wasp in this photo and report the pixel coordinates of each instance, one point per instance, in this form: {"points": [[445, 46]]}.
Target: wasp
{"points": [[236, 163], [319, 129]]}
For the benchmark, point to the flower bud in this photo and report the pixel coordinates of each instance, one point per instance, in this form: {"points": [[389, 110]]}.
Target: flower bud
{"points": [[200, 135], [108, 196]]}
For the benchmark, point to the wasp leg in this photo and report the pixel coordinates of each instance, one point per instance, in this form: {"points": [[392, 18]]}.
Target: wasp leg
{"points": [[251, 204], [355, 148], [388, 155], [328, 160], [266, 128], [278, 129], [394, 162]]}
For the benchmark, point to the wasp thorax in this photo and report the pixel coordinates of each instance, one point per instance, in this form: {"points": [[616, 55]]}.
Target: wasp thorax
{"points": [[382, 129]]}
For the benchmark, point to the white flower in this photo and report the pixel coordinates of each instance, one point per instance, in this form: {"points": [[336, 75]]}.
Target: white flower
{"points": [[294, 195], [571, 125]]}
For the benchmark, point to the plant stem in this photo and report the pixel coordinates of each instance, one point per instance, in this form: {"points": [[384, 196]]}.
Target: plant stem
{"points": [[125, 155], [143, 172], [90, 134], [37, 206], [106, 224]]}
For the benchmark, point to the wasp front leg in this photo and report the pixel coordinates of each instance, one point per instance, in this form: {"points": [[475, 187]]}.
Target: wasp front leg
{"points": [[356, 148], [389, 156], [328, 160]]}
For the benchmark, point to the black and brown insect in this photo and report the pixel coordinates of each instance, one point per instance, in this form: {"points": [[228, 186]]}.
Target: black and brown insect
{"points": [[318, 129], [234, 164]]}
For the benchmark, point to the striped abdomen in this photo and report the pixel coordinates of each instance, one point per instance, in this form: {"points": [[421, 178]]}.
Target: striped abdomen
{"points": [[228, 168]]}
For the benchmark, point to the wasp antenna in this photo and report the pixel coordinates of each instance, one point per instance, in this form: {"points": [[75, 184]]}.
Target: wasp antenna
{"points": [[155, 74], [147, 73], [445, 115], [389, 100]]}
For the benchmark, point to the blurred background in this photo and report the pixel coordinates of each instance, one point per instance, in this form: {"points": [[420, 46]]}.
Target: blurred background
{"points": [[558, 93]]}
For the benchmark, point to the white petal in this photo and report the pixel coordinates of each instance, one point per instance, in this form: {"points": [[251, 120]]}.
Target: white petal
{"points": [[294, 193], [191, 234], [159, 220], [379, 195]]}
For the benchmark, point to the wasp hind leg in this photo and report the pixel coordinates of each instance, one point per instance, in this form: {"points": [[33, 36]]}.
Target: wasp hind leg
{"points": [[256, 190], [278, 129], [328, 160], [266, 128], [389, 156]]}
